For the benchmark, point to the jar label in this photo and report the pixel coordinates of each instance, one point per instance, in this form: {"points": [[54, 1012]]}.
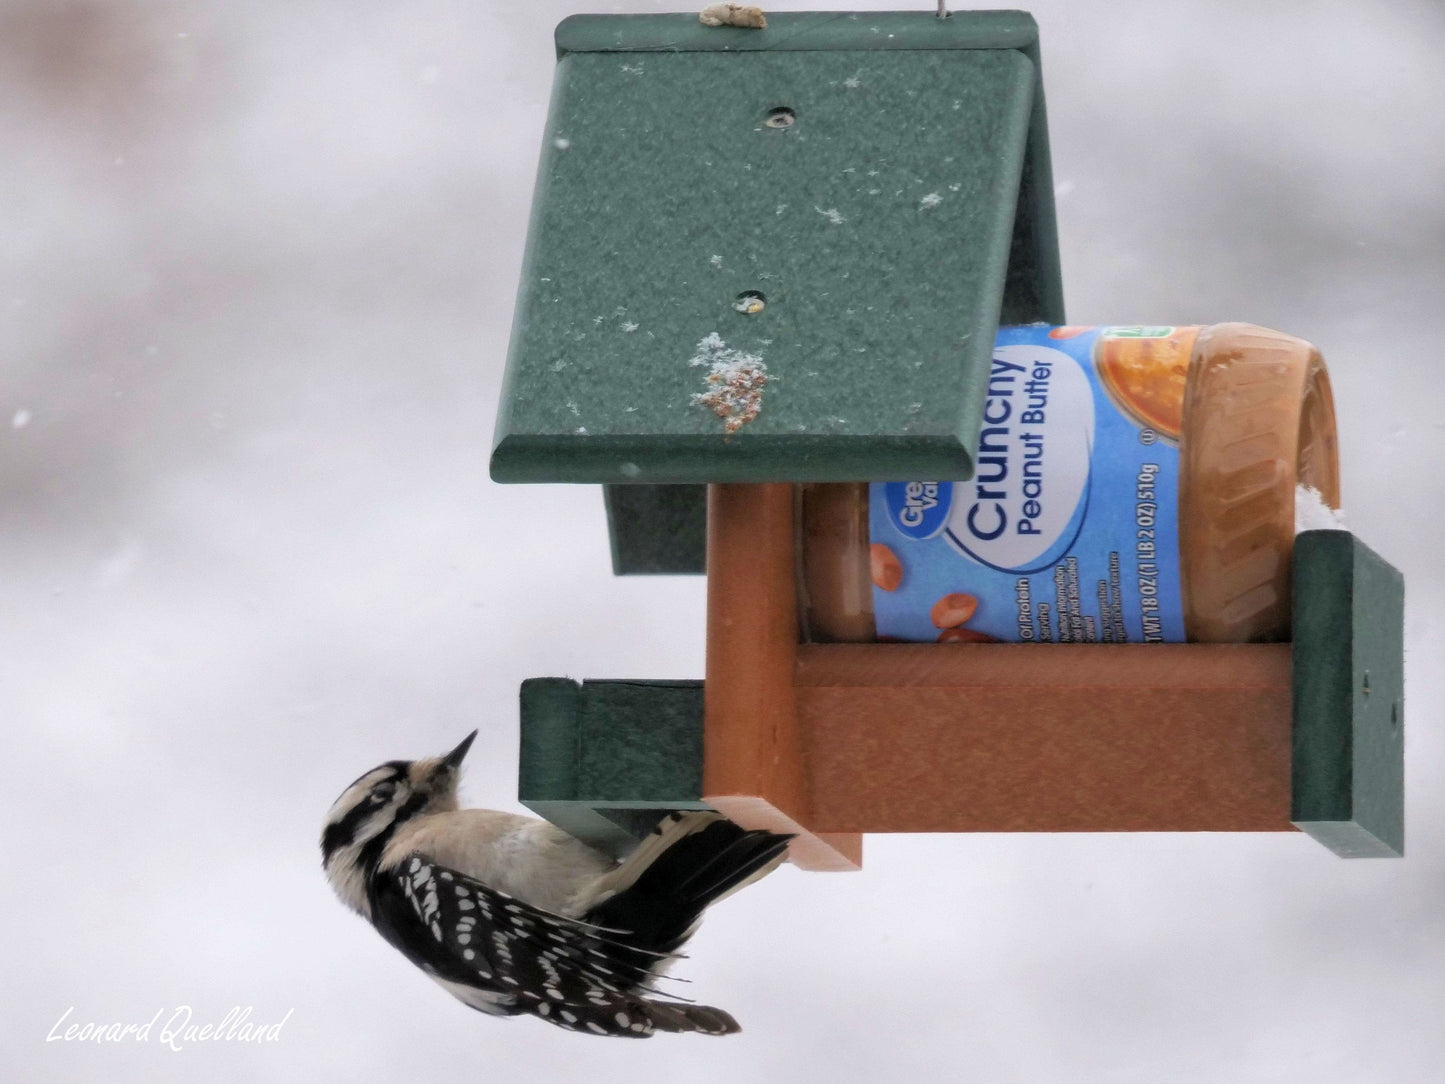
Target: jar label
{"points": [[1068, 532]]}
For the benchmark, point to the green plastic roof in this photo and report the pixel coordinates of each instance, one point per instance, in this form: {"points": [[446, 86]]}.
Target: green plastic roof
{"points": [[719, 290]]}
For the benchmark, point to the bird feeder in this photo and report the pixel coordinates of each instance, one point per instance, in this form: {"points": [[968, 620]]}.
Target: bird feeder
{"points": [[760, 258]]}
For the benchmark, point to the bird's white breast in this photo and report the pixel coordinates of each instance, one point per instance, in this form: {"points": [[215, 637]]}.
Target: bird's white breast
{"points": [[535, 861]]}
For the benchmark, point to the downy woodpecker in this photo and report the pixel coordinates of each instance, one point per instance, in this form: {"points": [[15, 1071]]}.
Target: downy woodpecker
{"points": [[511, 915]]}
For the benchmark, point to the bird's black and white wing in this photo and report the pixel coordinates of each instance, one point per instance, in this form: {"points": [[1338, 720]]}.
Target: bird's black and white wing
{"points": [[503, 956]]}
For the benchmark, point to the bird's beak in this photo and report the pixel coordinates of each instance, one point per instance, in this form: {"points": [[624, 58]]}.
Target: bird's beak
{"points": [[453, 760]]}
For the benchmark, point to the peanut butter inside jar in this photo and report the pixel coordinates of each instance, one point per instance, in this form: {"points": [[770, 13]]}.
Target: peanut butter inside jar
{"points": [[1253, 417]]}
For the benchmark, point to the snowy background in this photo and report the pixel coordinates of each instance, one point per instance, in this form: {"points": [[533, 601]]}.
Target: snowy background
{"points": [[257, 268]]}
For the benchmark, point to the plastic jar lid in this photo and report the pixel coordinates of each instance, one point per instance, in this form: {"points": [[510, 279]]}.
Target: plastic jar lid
{"points": [[1259, 419]]}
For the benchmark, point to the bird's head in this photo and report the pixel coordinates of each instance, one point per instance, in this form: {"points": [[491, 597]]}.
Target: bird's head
{"points": [[371, 809]]}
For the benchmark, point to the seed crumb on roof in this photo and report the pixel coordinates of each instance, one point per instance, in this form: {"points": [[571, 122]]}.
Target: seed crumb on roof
{"points": [[735, 382]]}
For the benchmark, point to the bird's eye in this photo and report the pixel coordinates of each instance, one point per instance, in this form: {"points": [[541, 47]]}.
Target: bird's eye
{"points": [[382, 794]]}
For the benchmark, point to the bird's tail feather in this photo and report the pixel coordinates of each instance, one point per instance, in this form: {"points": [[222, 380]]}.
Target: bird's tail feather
{"points": [[702, 1018], [688, 862], [635, 1017]]}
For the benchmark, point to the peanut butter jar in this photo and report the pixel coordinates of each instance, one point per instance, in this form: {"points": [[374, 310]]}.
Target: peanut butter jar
{"points": [[1133, 484]]}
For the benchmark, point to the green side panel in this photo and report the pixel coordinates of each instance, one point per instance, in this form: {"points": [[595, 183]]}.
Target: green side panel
{"points": [[548, 760], [1349, 696], [657, 530], [878, 228], [603, 760], [640, 740]]}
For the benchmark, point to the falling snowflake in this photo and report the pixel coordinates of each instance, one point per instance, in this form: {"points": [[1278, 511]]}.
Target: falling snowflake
{"points": [[933, 199], [832, 214]]}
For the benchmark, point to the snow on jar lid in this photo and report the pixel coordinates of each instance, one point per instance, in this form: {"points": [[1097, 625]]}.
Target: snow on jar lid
{"points": [[1133, 484]]}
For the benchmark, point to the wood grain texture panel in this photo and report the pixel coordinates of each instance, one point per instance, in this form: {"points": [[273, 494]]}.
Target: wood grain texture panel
{"points": [[752, 752], [1046, 739]]}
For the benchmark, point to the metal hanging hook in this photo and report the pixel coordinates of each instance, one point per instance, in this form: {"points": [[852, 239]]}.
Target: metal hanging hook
{"points": [[943, 9]]}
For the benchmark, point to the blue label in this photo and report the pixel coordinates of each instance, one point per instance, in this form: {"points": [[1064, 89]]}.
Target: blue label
{"points": [[1068, 531]]}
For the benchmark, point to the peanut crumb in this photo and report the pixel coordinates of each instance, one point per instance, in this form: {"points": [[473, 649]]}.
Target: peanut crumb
{"points": [[735, 382]]}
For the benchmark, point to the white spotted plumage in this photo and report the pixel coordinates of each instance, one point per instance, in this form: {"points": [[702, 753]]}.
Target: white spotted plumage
{"points": [[511, 915]]}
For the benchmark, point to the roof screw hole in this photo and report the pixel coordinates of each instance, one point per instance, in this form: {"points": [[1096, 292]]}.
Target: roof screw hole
{"points": [[750, 302]]}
